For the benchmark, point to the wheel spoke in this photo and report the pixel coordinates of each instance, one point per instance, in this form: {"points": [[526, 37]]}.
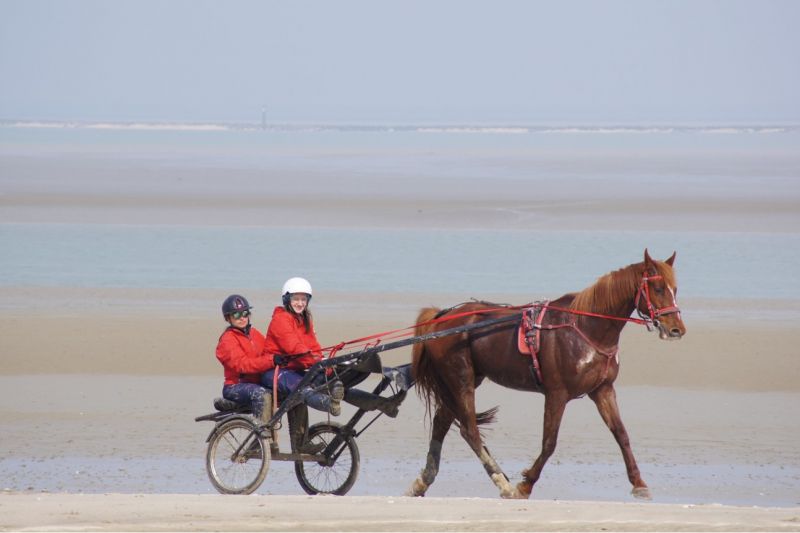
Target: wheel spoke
{"points": [[338, 474], [232, 469]]}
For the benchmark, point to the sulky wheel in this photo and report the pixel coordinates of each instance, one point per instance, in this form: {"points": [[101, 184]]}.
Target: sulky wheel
{"points": [[237, 460], [336, 475]]}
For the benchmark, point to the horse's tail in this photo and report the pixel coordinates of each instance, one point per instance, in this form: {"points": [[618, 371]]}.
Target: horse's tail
{"points": [[421, 368], [430, 387], [426, 378]]}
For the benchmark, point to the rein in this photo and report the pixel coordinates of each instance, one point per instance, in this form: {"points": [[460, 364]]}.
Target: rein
{"points": [[643, 291], [403, 332]]}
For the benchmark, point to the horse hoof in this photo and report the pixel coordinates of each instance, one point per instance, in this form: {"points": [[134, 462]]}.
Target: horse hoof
{"points": [[524, 490], [643, 493], [513, 493], [417, 488]]}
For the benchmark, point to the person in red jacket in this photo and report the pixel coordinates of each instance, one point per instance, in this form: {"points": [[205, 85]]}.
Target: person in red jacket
{"points": [[292, 342], [240, 350]]}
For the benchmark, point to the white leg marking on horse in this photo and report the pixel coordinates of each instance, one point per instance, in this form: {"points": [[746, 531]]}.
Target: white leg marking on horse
{"points": [[498, 477]]}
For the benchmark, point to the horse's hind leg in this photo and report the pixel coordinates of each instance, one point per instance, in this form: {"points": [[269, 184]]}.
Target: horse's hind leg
{"points": [[442, 421], [496, 474], [606, 400], [471, 434], [554, 405]]}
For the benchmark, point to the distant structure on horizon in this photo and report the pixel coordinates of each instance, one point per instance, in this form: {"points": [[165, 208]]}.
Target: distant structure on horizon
{"points": [[263, 118]]}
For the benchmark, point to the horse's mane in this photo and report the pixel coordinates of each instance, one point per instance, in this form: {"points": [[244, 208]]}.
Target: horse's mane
{"points": [[615, 287]]}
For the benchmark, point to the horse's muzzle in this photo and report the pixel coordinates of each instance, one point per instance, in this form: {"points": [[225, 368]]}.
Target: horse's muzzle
{"points": [[672, 333]]}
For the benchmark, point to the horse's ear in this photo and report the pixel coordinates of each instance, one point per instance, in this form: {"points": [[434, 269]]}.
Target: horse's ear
{"points": [[671, 259], [649, 264]]}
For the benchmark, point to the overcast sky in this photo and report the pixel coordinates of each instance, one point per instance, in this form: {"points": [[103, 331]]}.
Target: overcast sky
{"points": [[401, 61]]}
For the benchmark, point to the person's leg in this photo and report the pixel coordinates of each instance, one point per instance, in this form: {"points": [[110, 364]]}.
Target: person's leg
{"points": [[288, 380], [267, 380], [250, 394], [297, 415], [327, 403]]}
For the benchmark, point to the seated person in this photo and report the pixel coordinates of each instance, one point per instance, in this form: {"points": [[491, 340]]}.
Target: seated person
{"points": [[240, 351], [291, 337], [291, 331]]}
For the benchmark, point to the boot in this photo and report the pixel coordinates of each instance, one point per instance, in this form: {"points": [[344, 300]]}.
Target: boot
{"points": [[322, 402], [369, 402], [337, 390], [298, 431], [266, 414], [261, 420]]}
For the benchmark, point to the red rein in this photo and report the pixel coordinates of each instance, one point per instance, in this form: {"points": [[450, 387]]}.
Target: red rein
{"points": [[643, 291]]}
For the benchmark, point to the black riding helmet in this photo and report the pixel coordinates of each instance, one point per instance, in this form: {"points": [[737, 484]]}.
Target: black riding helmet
{"points": [[234, 303]]}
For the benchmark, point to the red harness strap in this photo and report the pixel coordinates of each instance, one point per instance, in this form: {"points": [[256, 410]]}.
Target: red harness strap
{"points": [[377, 338], [530, 331], [530, 335], [275, 390]]}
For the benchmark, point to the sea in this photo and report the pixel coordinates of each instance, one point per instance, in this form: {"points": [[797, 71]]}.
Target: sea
{"points": [[534, 265]]}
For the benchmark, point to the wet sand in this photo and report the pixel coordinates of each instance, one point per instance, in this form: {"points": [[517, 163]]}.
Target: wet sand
{"points": [[569, 191], [99, 388], [173, 332], [709, 418]]}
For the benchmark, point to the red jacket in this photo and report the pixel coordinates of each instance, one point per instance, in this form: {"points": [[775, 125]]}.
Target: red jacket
{"points": [[287, 335], [241, 356]]}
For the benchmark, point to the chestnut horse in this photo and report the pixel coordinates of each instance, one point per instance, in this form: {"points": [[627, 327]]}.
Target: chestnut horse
{"points": [[577, 355]]}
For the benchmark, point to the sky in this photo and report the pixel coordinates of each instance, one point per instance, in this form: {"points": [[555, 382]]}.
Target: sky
{"points": [[409, 61]]}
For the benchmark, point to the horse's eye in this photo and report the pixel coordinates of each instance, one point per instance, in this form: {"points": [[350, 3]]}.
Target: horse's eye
{"points": [[659, 290]]}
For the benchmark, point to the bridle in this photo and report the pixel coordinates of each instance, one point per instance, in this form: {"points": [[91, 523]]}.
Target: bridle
{"points": [[649, 320], [653, 312]]}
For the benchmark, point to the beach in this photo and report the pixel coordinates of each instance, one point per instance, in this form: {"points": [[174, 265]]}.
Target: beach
{"points": [[104, 368], [359, 513]]}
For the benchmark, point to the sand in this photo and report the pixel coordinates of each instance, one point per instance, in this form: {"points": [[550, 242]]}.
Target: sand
{"points": [[570, 191], [150, 512], [99, 389], [108, 442]]}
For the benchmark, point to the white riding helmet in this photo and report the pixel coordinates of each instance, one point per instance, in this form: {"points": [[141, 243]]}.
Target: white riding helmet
{"points": [[295, 285]]}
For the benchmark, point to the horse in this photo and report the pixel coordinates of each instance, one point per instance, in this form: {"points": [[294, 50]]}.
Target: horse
{"points": [[578, 336]]}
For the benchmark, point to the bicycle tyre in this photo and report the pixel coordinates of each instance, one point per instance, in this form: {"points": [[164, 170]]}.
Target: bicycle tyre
{"points": [[336, 478], [242, 474]]}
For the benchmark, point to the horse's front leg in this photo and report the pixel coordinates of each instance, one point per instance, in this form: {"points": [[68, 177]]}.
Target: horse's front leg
{"points": [[606, 400], [442, 421], [554, 405]]}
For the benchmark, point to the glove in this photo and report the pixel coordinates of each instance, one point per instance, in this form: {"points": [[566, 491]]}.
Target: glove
{"points": [[280, 360]]}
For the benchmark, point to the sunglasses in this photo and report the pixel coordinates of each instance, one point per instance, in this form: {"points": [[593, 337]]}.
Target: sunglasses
{"points": [[240, 314]]}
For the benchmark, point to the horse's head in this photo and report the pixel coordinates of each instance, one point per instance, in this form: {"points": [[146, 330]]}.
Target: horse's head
{"points": [[656, 298]]}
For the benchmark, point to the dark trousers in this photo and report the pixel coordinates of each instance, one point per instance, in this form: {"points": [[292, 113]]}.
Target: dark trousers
{"points": [[287, 381], [251, 394]]}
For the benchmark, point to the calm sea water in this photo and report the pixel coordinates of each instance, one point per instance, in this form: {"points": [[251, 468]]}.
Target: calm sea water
{"points": [[709, 265], [533, 265]]}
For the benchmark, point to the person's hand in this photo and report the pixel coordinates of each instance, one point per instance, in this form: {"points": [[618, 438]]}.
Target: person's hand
{"points": [[280, 360]]}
